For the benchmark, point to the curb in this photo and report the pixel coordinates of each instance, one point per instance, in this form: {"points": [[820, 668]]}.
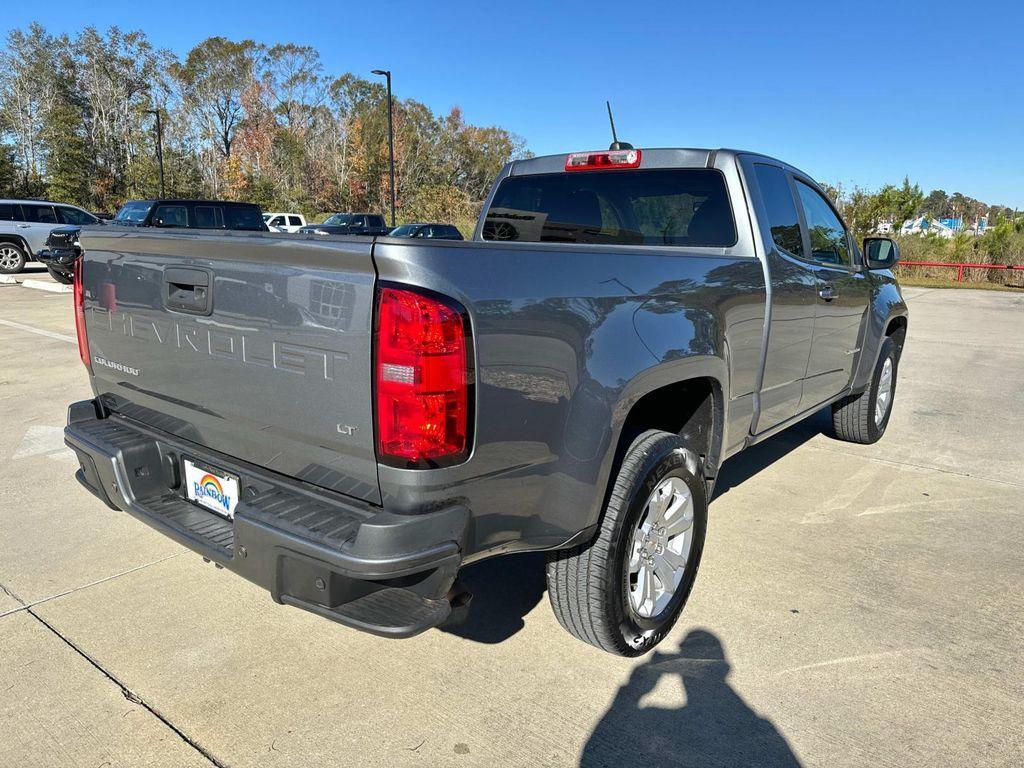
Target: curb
{"points": [[40, 285]]}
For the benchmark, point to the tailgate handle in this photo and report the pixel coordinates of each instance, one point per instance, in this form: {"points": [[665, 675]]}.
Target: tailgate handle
{"points": [[188, 290]]}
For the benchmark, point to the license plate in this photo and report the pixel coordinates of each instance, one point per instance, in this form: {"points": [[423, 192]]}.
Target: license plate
{"points": [[211, 488]]}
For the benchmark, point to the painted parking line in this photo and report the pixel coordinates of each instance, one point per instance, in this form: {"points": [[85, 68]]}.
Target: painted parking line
{"points": [[43, 285], [39, 331]]}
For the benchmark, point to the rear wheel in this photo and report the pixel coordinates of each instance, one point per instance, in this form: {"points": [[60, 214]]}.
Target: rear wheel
{"points": [[12, 258], [862, 418], [624, 591]]}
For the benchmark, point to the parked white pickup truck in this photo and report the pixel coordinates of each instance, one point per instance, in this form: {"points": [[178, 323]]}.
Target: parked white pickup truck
{"points": [[284, 222]]}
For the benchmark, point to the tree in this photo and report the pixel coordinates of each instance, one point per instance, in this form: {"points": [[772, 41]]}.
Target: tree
{"points": [[213, 78], [935, 204]]}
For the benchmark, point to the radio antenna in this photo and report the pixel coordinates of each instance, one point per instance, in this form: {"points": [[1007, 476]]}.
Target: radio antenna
{"points": [[616, 144]]}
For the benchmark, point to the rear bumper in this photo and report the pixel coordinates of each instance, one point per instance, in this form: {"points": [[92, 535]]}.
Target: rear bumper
{"points": [[355, 564]]}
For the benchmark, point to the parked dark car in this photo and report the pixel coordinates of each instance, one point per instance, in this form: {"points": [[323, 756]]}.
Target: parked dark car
{"points": [[60, 253], [432, 231], [348, 224], [192, 214]]}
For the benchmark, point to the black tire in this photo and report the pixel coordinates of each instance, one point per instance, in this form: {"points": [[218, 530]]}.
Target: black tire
{"points": [[588, 585], [12, 258], [853, 417], [60, 277]]}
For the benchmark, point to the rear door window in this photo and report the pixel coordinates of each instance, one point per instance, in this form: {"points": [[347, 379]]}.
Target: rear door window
{"points": [[783, 219], [682, 207], [209, 217], [42, 214], [174, 216]]}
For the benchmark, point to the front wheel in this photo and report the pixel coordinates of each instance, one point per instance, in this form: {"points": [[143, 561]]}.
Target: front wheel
{"points": [[60, 277], [862, 418], [12, 259], [624, 591]]}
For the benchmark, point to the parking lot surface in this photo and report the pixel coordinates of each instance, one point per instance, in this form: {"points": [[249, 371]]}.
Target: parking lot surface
{"points": [[857, 605]]}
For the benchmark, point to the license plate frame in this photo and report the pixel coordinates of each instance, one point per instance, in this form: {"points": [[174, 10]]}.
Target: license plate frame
{"points": [[210, 488]]}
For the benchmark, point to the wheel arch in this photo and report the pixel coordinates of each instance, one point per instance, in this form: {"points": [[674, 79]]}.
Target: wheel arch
{"points": [[686, 398], [19, 241]]}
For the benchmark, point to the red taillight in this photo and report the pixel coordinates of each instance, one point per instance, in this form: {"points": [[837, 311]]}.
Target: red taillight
{"points": [[83, 337], [423, 379], [601, 161]]}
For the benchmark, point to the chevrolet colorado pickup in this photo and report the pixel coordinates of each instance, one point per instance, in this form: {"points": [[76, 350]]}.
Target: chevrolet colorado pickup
{"points": [[347, 421]]}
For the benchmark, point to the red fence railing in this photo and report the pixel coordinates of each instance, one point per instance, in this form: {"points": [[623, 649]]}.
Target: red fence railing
{"points": [[960, 267]]}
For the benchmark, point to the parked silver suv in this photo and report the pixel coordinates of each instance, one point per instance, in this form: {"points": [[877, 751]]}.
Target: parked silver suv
{"points": [[25, 225]]}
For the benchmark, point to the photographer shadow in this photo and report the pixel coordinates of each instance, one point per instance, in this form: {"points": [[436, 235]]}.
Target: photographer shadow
{"points": [[714, 727]]}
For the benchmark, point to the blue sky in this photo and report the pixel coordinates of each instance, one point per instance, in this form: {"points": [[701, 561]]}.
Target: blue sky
{"points": [[858, 93]]}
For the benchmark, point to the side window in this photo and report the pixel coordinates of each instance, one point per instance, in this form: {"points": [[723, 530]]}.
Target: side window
{"points": [[277, 221], [376, 221], [74, 216], [209, 217], [41, 214], [170, 216], [829, 243], [782, 215], [247, 218], [294, 221], [9, 212]]}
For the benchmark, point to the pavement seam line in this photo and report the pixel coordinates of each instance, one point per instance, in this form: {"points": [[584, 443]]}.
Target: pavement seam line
{"points": [[39, 331], [40, 601], [128, 693], [940, 470]]}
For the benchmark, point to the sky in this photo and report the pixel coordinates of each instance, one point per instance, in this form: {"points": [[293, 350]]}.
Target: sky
{"points": [[856, 93]]}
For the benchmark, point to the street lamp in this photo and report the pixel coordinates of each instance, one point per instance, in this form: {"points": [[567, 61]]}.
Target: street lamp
{"points": [[391, 140], [159, 146]]}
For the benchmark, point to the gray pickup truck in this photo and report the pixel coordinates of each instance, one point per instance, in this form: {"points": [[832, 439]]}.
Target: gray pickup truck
{"points": [[347, 422]]}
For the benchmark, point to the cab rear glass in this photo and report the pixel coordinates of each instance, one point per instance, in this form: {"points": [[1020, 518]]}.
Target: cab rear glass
{"points": [[682, 207]]}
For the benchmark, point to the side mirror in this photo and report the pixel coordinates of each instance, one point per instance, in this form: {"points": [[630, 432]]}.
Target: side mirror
{"points": [[881, 252]]}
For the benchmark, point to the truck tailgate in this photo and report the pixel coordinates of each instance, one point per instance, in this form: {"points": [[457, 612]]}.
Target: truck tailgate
{"points": [[251, 345]]}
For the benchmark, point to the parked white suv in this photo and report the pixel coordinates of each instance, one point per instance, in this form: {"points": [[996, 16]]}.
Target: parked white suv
{"points": [[25, 225], [284, 222]]}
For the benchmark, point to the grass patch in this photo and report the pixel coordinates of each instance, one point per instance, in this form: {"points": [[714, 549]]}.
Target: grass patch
{"points": [[938, 282]]}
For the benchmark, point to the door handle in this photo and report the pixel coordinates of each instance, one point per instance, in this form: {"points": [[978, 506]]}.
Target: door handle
{"points": [[24, 226], [827, 292], [188, 290]]}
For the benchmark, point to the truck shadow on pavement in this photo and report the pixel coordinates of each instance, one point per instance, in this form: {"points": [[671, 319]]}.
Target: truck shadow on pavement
{"points": [[714, 726], [504, 590], [743, 466]]}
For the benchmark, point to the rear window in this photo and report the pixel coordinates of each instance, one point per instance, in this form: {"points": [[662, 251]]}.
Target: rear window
{"points": [[245, 217], [9, 212], [688, 207]]}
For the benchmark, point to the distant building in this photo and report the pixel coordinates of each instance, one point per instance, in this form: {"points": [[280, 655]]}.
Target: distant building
{"points": [[922, 225]]}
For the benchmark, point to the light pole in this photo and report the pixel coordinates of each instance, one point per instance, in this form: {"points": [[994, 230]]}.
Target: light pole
{"points": [[159, 146], [391, 140]]}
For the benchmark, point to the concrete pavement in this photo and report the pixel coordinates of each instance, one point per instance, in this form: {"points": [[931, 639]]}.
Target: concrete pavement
{"points": [[857, 605]]}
